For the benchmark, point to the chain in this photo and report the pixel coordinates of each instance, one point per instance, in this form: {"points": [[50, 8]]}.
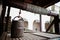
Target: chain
{"points": [[19, 13]]}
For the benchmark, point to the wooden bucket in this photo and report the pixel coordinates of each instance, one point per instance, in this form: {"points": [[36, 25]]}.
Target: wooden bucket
{"points": [[17, 28]]}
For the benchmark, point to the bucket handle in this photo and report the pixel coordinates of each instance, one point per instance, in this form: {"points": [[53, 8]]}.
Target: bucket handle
{"points": [[16, 17]]}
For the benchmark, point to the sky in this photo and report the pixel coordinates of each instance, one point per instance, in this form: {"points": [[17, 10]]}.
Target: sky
{"points": [[30, 17], [58, 4]]}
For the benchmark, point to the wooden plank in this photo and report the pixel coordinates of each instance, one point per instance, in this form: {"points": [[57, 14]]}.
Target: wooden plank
{"points": [[28, 36], [47, 35], [32, 36]]}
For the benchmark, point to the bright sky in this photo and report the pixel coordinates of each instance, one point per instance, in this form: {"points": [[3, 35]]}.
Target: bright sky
{"points": [[57, 4], [30, 17]]}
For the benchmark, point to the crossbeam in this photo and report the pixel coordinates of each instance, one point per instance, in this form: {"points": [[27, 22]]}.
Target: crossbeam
{"points": [[39, 10], [50, 25], [33, 8]]}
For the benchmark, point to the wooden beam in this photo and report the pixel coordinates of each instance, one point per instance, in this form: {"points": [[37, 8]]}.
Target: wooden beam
{"points": [[50, 26], [7, 18], [2, 17], [33, 8], [41, 3], [40, 23], [56, 24]]}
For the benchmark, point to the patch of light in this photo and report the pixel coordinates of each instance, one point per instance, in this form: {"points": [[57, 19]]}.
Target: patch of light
{"points": [[30, 18], [49, 8], [57, 4], [45, 18], [14, 12]]}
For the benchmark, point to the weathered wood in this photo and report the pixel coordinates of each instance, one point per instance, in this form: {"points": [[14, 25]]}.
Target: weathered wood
{"points": [[7, 18], [46, 35], [56, 24], [40, 23], [31, 36], [50, 26], [4, 35], [39, 10], [2, 18], [33, 8], [41, 3]]}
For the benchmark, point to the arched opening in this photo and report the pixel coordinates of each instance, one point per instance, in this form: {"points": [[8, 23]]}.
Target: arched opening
{"points": [[25, 23], [36, 25]]}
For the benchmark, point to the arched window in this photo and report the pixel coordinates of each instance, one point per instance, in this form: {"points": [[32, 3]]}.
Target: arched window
{"points": [[36, 25], [25, 23]]}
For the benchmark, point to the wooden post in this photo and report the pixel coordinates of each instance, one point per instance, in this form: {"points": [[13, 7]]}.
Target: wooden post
{"points": [[59, 19], [50, 26], [56, 24], [2, 17], [7, 18], [40, 23]]}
